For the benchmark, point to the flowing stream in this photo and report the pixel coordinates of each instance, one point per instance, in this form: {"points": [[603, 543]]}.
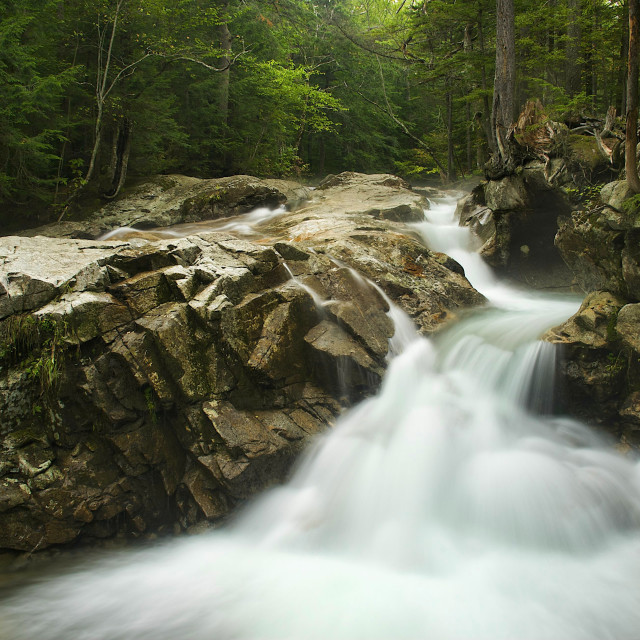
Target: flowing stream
{"points": [[452, 505], [245, 225]]}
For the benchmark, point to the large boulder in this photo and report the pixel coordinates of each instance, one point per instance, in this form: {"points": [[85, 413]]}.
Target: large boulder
{"points": [[342, 222], [599, 364], [601, 244], [613, 194], [153, 386], [174, 199], [516, 217]]}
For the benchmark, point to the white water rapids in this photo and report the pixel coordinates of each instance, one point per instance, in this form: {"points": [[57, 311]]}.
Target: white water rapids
{"points": [[446, 507]]}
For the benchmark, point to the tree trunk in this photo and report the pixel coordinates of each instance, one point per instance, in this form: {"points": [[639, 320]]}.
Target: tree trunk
{"points": [[550, 71], [594, 76], [224, 36], [451, 169], [624, 56], [504, 83], [97, 139], [632, 101], [224, 61], [572, 68], [468, 47], [120, 158], [486, 109], [102, 87], [609, 122], [469, 138]]}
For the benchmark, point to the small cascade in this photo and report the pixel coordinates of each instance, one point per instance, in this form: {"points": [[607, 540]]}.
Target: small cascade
{"points": [[448, 506], [405, 331], [245, 225], [316, 297]]}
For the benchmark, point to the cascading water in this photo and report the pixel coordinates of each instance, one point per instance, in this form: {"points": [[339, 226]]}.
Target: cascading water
{"points": [[244, 225], [440, 509]]}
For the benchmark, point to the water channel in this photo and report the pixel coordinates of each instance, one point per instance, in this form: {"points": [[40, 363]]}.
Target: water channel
{"points": [[452, 505]]}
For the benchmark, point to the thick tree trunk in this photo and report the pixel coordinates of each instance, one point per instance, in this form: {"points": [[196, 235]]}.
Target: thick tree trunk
{"points": [[624, 56], [632, 101], [502, 115]]}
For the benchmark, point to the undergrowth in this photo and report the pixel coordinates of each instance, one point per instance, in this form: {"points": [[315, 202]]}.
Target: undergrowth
{"points": [[38, 346]]}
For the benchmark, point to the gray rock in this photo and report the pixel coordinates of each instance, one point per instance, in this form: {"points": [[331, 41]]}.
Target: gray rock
{"points": [[33, 271], [516, 219], [343, 361], [87, 315], [628, 325], [598, 364], [615, 193], [594, 325], [175, 199], [601, 246], [186, 374], [506, 194], [631, 263]]}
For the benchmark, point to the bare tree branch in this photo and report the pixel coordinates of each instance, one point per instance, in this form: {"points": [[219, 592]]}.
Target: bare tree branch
{"points": [[122, 71], [406, 58], [387, 109]]}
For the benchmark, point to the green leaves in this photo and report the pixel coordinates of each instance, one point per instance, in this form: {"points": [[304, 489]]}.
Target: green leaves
{"points": [[31, 87]]}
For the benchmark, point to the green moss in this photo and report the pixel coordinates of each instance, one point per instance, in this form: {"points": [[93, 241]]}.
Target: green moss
{"points": [[19, 336], [631, 205], [585, 147], [616, 363], [218, 194], [151, 405], [36, 344], [612, 333]]}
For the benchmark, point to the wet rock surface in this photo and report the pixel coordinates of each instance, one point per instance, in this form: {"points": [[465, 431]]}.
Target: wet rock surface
{"points": [[599, 364], [175, 199], [150, 387], [516, 218], [601, 244], [600, 356]]}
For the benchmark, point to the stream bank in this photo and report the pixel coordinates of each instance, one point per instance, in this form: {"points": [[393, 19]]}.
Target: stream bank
{"points": [[150, 386]]}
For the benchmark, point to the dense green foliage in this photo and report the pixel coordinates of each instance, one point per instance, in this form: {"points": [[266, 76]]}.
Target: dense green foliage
{"points": [[92, 92]]}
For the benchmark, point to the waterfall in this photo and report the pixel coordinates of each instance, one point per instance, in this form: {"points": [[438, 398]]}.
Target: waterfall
{"points": [[449, 506]]}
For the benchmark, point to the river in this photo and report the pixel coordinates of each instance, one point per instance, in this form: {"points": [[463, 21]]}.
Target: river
{"points": [[452, 505]]}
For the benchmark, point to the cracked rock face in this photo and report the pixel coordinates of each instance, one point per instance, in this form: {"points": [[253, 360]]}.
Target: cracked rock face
{"points": [[602, 245], [516, 218], [600, 364], [150, 387]]}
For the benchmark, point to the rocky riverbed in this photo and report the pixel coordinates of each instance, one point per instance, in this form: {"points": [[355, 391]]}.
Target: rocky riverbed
{"points": [[154, 385]]}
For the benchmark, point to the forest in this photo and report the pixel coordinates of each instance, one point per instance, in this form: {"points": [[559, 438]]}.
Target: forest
{"points": [[319, 319], [96, 93]]}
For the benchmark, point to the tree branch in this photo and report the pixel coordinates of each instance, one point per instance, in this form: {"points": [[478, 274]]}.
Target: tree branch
{"points": [[179, 56], [122, 71], [387, 109], [405, 58]]}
